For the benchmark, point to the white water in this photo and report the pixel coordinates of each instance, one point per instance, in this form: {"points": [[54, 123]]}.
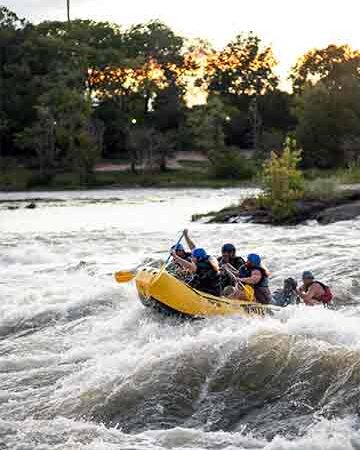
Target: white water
{"points": [[83, 365]]}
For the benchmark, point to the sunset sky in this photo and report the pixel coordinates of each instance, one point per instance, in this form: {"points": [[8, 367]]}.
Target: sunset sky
{"points": [[292, 27]]}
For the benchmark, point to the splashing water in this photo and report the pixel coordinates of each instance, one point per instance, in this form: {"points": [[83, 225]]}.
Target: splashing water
{"points": [[83, 365]]}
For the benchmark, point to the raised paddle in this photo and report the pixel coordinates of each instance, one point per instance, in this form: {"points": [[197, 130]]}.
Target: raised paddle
{"points": [[161, 271], [125, 276]]}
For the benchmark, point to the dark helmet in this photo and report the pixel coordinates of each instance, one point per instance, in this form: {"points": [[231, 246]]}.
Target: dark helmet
{"points": [[307, 275], [178, 248], [290, 284], [228, 248]]}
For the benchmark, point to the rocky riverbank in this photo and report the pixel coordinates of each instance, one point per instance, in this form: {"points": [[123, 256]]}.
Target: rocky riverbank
{"points": [[325, 211]]}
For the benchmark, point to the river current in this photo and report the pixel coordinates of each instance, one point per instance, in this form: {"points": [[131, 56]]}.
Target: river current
{"points": [[83, 365]]}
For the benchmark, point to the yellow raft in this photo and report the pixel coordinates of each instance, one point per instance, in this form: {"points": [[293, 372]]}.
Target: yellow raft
{"points": [[169, 295]]}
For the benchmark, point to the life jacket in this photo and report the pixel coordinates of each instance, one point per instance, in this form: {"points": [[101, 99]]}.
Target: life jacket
{"points": [[261, 289], [206, 278], [327, 295], [187, 256], [236, 262], [225, 278]]}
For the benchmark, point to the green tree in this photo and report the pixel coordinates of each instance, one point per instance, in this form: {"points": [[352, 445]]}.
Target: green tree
{"points": [[149, 148], [13, 31], [283, 181], [228, 163], [329, 124], [40, 137], [78, 135], [243, 67], [206, 123], [329, 65]]}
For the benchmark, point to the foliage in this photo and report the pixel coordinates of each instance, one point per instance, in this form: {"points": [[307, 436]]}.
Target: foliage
{"points": [[329, 124], [243, 67], [71, 92], [41, 138], [328, 65], [270, 141], [283, 182], [230, 164], [149, 148], [206, 123], [321, 189]]}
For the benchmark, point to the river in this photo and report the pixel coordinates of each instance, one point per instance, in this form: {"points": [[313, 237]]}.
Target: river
{"points": [[83, 365]]}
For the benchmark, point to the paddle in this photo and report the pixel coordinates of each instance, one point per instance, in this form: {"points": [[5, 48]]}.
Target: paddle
{"points": [[161, 271], [125, 276]]}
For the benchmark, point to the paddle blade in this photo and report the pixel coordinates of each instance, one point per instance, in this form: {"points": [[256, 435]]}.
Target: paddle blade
{"points": [[124, 277]]}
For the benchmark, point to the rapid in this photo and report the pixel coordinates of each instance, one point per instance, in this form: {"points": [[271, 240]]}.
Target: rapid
{"points": [[83, 365]]}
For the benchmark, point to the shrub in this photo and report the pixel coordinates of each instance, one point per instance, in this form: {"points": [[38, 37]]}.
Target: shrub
{"points": [[229, 164], [283, 182], [39, 180], [350, 175], [321, 189]]}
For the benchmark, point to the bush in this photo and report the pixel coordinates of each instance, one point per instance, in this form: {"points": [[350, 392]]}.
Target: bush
{"points": [[321, 189], [229, 164], [39, 180], [283, 182], [350, 175]]}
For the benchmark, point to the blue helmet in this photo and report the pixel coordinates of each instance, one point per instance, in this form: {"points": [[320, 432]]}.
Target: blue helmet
{"points": [[228, 248], [177, 248], [254, 259], [199, 253]]}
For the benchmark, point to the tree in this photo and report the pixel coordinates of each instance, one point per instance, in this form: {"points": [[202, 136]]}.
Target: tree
{"points": [[149, 148], [328, 65], [283, 181], [243, 67], [85, 48], [206, 123], [13, 31], [78, 135], [40, 137], [329, 120]]}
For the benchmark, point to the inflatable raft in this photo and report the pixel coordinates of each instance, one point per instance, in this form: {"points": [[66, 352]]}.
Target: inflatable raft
{"points": [[169, 295]]}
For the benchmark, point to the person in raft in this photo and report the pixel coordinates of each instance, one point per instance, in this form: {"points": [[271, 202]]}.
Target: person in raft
{"points": [[287, 295], [205, 269], [175, 269], [255, 275], [228, 253], [314, 292], [236, 289]]}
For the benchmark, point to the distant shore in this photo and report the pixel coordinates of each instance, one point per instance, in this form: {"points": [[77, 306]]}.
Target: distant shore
{"points": [[26, 180], [345, 205]]}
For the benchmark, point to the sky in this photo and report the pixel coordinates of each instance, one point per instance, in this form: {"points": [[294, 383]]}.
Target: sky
{"points": [[291, 26]]}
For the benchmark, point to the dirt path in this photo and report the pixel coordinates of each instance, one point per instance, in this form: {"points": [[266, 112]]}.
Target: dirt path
{"points": [[173, 163]]}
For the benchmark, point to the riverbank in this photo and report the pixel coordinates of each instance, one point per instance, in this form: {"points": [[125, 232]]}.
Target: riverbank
{"points": [[343, 204], [27, 180]]}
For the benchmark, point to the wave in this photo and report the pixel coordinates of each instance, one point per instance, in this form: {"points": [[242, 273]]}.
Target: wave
{"points": [[274, 378]]}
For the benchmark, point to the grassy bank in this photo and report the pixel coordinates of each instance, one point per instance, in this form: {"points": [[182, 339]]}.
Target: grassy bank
{"points": [[25, 179], [320, 183]]}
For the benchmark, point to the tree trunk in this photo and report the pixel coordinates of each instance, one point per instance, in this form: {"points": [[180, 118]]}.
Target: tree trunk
{"points": [[133, 167], [163, 162]]}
